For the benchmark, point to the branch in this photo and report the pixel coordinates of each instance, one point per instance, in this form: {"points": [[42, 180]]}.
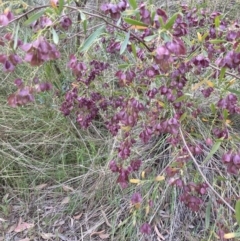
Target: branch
{"points": [[79, 33], [203, 176], [216, 68], [25, 14], [87, 13], [113, 25]]}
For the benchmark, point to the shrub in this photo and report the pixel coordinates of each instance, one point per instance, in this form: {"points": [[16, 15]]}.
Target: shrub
{"points": [[172, 71]]}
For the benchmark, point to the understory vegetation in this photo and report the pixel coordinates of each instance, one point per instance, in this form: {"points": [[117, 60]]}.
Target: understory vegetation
{"points": [[119, 120]]}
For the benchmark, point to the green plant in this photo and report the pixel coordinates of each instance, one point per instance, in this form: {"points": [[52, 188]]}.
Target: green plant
{"points": [[167, 66]]}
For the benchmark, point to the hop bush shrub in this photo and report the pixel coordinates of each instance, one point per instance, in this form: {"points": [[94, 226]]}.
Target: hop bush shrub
{"points": [[169, 69]]}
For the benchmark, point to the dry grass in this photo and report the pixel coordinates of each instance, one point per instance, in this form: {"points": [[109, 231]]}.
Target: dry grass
{"points": [[56, 176]]}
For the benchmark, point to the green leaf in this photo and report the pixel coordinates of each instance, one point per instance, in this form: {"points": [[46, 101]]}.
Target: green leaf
{"points": [[50, 10], [130, 12], [133, 3], [183, 97], [161, 21], [213, 108], [217, 21], [225, 114], [91, 39], [134, 22], [85, 26], [204, 36], [237, 92], [220, 178], [153, 14], [213, 150], [125, 43], [166, 37], [34, 17], [55, 36], [119, 22], [150, 38], [217, 41], [123, 66], [60, 8], [171, 21], [83, 16], [222, 73], [183, 116], [237, 210], [16, 37], [207, 215], [134, 50]]}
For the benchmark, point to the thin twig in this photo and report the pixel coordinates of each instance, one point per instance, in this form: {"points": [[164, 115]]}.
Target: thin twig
{"points": [[113, 25], [89, 14], [228, 73], [25, 14], [79, 33], [203, 176]]}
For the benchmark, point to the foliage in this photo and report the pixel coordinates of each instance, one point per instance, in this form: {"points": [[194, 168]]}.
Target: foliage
{"points": [[167, 66]]}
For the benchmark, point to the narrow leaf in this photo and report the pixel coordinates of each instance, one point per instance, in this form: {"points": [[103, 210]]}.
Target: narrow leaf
{"points": [[231, 235], [16, 37], [138, 27], [199, 84], [181, 98], [83, 16], [160, 103], [225, 114], [150, 38], [123, 66], [161, 21], [217, 41], [130, 12], [126, 128], [125, 43], [199, 37], [134, 22], [237, 92], [34, 17], [134, 50], [159, 178], [183, 116], [119, 22], [153, 14], [133, 3], [55, 36], [85, 26], [60, 8], [166, 37], [217, 21], [91, 39], [135, 181], [222, 73], [171, 21], [213, 150], [213, 108], [237, 210], [209, 83], [204, 36], [207, 216]]}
